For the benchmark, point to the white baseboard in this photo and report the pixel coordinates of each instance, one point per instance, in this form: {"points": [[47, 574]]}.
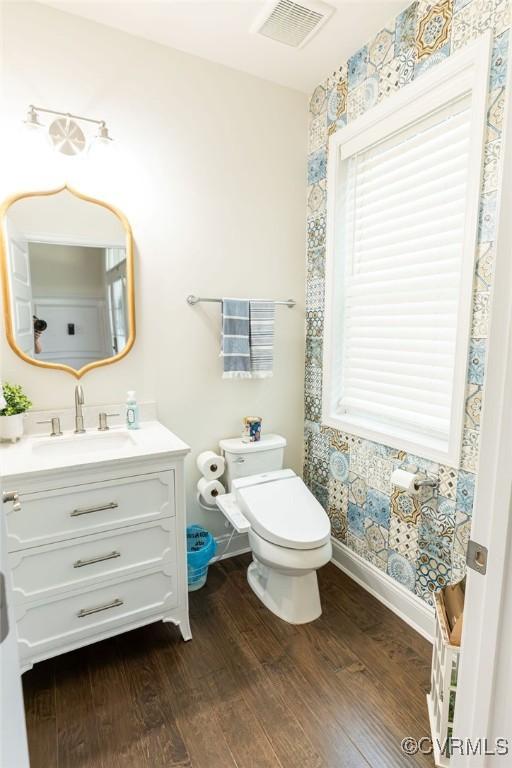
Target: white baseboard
{"points": [[411, 608], [238, 545]]}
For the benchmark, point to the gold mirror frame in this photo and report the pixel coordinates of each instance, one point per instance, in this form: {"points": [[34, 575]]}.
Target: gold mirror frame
{"points": [[6, 292]]}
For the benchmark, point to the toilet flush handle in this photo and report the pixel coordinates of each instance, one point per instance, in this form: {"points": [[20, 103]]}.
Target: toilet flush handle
{"points": [[239, 460]]}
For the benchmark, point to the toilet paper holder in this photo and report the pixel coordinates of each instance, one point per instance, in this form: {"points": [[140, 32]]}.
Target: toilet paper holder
{"points": [[426, 482]]}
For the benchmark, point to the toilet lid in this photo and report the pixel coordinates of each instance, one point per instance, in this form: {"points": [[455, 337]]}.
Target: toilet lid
{"points": [[286, 513]]}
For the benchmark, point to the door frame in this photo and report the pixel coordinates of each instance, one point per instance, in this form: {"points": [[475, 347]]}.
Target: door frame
{"points": [[485, 634]]}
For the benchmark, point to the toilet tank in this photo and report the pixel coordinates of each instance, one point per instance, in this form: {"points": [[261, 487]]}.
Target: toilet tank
{"points": [[243, 459]]}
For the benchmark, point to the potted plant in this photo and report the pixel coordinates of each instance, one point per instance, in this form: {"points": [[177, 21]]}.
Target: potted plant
{"points": [[11, 416]]}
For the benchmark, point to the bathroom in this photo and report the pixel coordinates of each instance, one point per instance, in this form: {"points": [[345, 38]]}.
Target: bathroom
{"points": [[223, 140]]}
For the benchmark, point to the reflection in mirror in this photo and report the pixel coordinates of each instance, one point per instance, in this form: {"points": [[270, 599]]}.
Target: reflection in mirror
{"points": [[68, 275]]}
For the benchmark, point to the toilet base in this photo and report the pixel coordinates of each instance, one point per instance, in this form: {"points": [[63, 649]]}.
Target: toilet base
{"points": [[294, 598]]}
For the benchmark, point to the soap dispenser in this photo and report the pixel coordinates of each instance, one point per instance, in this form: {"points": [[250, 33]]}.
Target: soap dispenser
{"points": [[132, 411]]}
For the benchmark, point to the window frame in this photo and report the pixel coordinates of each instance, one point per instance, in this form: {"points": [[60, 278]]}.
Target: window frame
{"points": [[463, 73]]}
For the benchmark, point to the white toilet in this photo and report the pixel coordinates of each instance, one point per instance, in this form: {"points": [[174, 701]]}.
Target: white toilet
{"points": [[289, 531]]}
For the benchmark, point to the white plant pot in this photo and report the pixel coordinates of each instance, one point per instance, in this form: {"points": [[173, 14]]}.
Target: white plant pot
{"points": [[11, 427]]}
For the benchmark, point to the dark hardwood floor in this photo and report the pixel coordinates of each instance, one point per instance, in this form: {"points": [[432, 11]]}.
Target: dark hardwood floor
{"points": [[249, 690]]}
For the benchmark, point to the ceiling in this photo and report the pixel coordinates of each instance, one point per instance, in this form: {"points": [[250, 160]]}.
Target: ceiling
{"points": [[220, 31]]}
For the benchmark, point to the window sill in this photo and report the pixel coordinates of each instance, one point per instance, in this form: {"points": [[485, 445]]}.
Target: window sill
{"points": [[425, 447]]}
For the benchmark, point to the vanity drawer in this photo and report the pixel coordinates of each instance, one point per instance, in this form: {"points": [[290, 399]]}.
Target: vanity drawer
{"points": [[71, 621], [39, 572], [64, 513]]}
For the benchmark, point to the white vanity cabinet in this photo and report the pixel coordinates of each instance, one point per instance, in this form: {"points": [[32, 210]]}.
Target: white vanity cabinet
{"points": [[97, 547]]}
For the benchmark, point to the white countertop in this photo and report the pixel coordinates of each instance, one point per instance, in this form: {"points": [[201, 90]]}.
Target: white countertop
{"points": [[40, 453]]}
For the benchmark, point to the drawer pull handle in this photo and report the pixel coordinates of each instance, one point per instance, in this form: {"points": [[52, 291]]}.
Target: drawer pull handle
{"points": [[97, 559], [99, 508], [87, 611]]}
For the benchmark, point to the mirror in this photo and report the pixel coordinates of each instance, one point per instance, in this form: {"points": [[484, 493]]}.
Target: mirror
{"points": [[67, 276]]}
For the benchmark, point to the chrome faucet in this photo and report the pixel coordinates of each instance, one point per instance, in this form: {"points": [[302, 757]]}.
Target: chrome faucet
{"points": [[79, 417]]}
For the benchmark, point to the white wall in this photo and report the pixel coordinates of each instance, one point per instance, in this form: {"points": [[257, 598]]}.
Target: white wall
{"points": [[67, 271], [208, 165]]}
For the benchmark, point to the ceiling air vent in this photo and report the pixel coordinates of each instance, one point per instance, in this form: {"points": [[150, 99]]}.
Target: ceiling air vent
{"points": [[292, 23]]}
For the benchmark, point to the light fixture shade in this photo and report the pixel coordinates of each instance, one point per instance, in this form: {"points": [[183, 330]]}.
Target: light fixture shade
{"points": [[66, 136], [32, 119], [103, 135]]}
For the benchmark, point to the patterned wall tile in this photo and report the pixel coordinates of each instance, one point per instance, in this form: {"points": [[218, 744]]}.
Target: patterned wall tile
{"points": [[337, 439], [401, 570], [360, 458], [316, 232], [314, 351], [317, 101], [321, 494], [397, 72], [428, 533], [356, 520], [312, 407], [476, 369], [403, 538], [381, 49], [465, 492], [431, 575], [473, 19], [338, 495], [473, 406], [317, 166], [378, 507], [405, 28], [338, 464], [317, 132], [469, 454], [480, 319], [495, 113], [484, 269], [339, 524], [357, 489], [447, 481], [434, 29], [337, 104], [357, 67], [317, 198], [357, 544], [499, 61], [431, 61], [487, 218], [405, 506], [376, 538], [313, 382], [315, 293], [315, 262], [315, 322], [491, 160], [502, 13], [363, 97]]}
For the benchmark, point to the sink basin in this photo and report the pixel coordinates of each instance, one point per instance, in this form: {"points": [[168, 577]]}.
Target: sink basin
{"points": [[83, 445]]}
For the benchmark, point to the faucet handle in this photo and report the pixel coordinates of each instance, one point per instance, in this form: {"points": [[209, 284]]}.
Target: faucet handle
{"points": [[55, 422], [103, 423]]}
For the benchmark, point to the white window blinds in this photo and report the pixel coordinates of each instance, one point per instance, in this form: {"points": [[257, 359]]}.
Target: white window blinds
{"points": [[402, 211]]}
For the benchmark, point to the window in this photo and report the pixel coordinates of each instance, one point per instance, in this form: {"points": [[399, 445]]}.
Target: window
{"points": [[402, 226]]}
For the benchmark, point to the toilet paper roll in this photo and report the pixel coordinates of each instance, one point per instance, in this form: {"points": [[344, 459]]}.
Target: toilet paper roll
{"points": [[404, 480], [209, 490], [210, 465]]}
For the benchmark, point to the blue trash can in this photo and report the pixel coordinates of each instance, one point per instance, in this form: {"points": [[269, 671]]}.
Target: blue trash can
{"points": [[201, 547]]}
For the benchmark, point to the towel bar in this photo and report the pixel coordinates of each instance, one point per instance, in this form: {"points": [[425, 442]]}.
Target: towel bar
{"points": [[196, 299]]}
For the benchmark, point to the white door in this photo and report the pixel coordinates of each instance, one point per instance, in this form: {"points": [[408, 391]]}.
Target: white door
{"points": [[13, 735], [484, 700], [21, 290]]}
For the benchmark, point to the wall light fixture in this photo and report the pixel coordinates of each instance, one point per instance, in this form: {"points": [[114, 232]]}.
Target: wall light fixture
{"points": [[65, 133]]}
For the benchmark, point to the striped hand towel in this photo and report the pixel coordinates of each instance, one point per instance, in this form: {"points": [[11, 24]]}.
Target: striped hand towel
{"points": [[262, 338], [235, 339]]}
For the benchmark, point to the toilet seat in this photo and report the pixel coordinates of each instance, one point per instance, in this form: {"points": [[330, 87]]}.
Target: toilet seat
{"points": [[283, 511]]}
